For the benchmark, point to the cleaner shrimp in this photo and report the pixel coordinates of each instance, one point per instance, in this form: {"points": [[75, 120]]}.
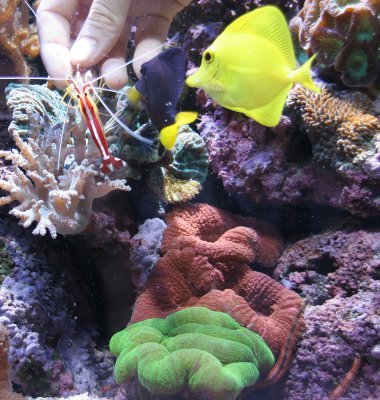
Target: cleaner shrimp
{"points": [[82, 88]]}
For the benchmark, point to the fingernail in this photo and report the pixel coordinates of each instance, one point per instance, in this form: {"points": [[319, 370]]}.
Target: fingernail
{"points": [[83, 50]]}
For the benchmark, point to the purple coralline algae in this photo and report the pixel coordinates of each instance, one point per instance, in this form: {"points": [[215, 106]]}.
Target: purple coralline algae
{"points": [[145, 248], [330, 264], [337, 273], [209, 18], [335, 332], [53, 347], [281, 166], [253, 161]]}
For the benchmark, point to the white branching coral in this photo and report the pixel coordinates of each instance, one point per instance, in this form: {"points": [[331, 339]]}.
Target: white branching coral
{"points": [[58, 197]]}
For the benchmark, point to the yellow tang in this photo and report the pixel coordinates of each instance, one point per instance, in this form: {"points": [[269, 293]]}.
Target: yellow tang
{"points": [[251, 66]]}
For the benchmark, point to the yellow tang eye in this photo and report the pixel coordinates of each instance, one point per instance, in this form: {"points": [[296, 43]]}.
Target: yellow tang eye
{"points": [[208, 56]]}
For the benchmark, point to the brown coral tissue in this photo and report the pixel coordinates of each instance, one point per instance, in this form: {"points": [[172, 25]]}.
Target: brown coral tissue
{"points": [[6, 392], [18, 38], [345, 35], [341, 125], [207, 257]]}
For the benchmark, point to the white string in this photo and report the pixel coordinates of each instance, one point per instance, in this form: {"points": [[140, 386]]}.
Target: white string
{"points": [[37, 78], [125, 127], [63, 133]]}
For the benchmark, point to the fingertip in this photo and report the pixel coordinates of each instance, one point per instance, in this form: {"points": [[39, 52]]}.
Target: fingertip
{"points": [[57, 63], [116, 73], [145, 51], [83, 52], [100, 32]]}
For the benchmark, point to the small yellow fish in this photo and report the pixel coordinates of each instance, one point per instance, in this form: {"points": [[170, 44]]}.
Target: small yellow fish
{"points": [[251, 66]]}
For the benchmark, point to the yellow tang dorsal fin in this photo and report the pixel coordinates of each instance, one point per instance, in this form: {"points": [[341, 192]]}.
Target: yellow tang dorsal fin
{"points": [[269, 23], [270, 114]]}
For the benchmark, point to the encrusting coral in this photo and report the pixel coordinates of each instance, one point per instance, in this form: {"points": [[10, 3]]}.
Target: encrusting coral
{"points": [[18, 38], [342, 126], [58, 197], [206, 351], [344, 35], [206, 262]]}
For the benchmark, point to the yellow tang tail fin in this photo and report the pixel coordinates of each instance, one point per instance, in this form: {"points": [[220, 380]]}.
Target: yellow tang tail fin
{"points": [[168, 135], [185, 117], [303, 76]]}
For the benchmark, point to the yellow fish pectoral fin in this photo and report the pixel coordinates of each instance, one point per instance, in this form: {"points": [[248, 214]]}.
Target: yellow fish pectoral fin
{"points": [[186, 117], [269, 23], [214, 85], [270, 114]]}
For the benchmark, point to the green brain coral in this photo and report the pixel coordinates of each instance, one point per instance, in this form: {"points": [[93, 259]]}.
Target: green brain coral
{"points": [[205, 351]]}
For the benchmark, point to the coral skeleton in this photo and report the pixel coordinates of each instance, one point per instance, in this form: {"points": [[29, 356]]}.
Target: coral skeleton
{"points": [[58, 197]]}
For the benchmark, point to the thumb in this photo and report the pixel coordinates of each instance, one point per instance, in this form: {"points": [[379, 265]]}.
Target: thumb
{"points": [[100, 31]]}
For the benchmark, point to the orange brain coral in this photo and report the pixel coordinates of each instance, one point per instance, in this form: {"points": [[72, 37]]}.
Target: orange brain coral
{"points": [[206, 262]]}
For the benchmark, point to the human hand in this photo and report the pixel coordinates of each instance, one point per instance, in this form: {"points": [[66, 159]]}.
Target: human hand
{"points": [[96, 32]]}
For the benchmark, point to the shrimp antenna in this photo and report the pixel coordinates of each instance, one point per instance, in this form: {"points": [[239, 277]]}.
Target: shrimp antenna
{"points": [[36, 78], [30, 8], [62, 134], [125, 127], [107, 90]]}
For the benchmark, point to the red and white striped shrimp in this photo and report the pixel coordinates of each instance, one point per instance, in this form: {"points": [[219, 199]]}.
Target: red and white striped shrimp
{"points": [[81, 87], [90, 113]]}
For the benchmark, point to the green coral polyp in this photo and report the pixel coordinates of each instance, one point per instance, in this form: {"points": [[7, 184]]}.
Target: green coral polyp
{"points": [[357, 65], [365, 32], [195, 348], [330, 47]]}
